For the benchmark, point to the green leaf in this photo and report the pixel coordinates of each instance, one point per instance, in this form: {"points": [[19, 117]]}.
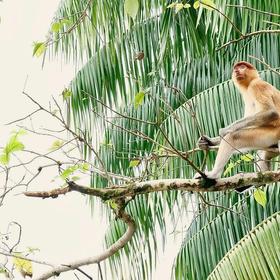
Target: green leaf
{"points": [[84, 166], [4, 271], [208, 3], [112, 204], [69, 171], [19, 132], [56, 26], [12, 146], [138, 99], [230, 166], [172, 5], [179, 7], [56, 145], [66, 21], [66, 93], [23, 266], [196, 4], [247, 157], [131, 7], [39, 48], [254, 255], [260, 197], [32, 250], [134, 163]]}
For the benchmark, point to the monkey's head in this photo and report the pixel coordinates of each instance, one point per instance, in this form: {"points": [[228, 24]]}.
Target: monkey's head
{"points": [[243, 73]]}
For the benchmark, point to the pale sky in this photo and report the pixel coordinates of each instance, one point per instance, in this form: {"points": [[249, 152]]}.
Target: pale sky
{"points": [[63, 229]]}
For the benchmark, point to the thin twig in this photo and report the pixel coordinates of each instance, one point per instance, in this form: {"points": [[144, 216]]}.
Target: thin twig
{"points": [[253, 9], [248, 35], [265, 64]]}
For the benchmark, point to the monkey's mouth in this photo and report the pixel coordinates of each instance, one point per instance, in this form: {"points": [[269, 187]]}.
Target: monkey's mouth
{"points": [[239, 76]]}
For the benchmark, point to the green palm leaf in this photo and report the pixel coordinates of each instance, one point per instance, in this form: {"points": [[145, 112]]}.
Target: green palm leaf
{"points": [[255, 256], [208, 240], [179, 52]]}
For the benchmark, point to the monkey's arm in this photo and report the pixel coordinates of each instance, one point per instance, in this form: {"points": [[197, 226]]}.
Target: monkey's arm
{"points": [[259, 119]]}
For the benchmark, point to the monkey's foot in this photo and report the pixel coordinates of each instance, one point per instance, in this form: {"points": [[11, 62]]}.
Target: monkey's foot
{"points": [[207, 181]]}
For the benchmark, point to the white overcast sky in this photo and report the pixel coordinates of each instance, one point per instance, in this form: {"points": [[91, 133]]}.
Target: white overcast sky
{"points": [[63, 229]]}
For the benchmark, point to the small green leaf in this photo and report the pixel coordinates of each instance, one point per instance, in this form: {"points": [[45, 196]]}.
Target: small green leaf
{"points": [[208, 3], [172, 5], [247, 157], [230, 166], [84, 166], [179, 7], [112, 203], [134, 163], [56, 145], [138, 99], [23, 266], [260, 197], [39, 48], [66, 21], [56, 26], [32, 250], [68, 171], [12, 146], [131, 7], [19, 132], [66, 93], [196, 4], [5, 272], [54, 112]]}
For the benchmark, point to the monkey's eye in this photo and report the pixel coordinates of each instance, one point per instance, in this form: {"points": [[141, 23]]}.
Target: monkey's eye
{"points": [[242, 67]]}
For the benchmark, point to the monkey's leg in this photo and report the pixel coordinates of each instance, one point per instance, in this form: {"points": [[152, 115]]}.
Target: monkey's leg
{"points": [[253, 138], [262, 164], [263, 160]]}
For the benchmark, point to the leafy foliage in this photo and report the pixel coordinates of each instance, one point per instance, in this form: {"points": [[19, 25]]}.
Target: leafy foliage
{"points": [[207, 241], [258, 245], [13, 145], [180, 61], [39, 48], [23, 266]]}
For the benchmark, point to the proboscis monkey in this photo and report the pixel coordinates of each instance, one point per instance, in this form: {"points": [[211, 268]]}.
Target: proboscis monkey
{"points": [[258, 129]]}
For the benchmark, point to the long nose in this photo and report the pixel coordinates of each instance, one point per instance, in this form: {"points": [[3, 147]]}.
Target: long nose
{"points": [[238, 71]]}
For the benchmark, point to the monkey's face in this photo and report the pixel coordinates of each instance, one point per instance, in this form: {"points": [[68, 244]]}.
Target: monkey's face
{"points": [[240, 72], [243, 71]]}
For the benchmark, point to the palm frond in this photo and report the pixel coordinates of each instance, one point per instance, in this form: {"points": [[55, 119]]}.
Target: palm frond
{"points": [[180, 61], [207, 243], [255, 256]]}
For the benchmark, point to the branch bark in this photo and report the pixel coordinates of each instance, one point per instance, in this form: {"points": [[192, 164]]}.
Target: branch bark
{"points": [[127, 219], [192, 185]]}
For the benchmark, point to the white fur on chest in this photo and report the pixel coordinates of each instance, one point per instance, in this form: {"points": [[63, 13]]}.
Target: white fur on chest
{"points": [[251, 105]]}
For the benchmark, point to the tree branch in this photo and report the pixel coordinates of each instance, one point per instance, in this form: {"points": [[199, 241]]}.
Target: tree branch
{"points": [[192, 185], [248, 35], [119, 244]]}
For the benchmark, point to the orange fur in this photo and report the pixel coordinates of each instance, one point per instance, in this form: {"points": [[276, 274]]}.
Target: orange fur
{"points": [[260, 127]]}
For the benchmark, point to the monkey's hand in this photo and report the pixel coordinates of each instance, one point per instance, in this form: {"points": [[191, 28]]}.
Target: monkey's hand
{"points": [[204, 142]]}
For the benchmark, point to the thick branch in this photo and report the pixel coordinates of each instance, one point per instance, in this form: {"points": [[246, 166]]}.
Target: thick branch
{"points": [[126, 218], [193, 185]]}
